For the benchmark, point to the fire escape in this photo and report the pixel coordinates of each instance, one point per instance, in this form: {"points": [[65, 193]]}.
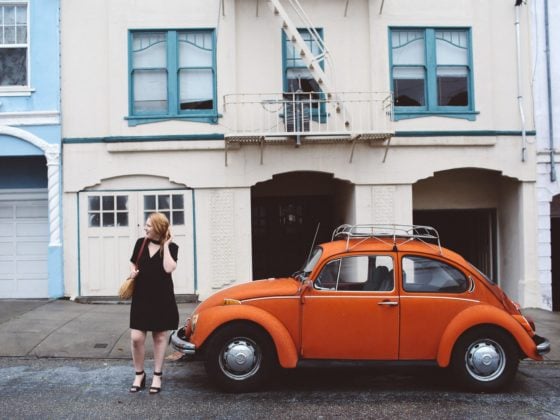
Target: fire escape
{"points": [[323, 115]]}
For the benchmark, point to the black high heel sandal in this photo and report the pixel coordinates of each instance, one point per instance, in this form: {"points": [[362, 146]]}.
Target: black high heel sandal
{"points": [[136, 388], [155, 389]]}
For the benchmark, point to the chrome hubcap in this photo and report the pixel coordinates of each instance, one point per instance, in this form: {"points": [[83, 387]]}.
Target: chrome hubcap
{"points": [[240, 359], [485, 360]]}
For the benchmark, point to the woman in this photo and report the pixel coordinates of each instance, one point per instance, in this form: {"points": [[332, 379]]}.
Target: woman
{"points": [[153, 301]]}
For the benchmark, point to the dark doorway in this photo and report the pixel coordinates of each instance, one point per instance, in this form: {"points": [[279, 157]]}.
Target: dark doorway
{"points": [[555, 251], [283, 231], [471, 233]]}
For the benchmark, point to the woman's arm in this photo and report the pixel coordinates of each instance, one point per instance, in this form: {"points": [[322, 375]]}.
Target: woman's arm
{"points": [[169, 264]]}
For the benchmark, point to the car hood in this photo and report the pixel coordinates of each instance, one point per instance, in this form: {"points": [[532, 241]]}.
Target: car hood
{"points": [[286, 286]]}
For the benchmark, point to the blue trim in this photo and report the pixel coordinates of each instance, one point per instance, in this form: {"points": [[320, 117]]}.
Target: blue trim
{"points": [[431, 107], [195, 256], [130, 139], [209, 116], [78, 247], [467, 133]]}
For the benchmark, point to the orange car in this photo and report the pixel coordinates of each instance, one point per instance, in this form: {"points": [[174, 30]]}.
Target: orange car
{"points": [[374, 295]]}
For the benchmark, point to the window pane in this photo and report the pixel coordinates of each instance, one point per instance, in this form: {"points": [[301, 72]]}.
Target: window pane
{"points": [[149, 50], [9, 15], [178, 202], [150, 90], [195, 49], [328, 277], [452, 86], [150, 202], [178, 218], [108, 202], [409, 86], [163, 202], [122, 202], [451, 47], [13, 62], [94, 203], [426, 275], [122, 219], [21, 15], [108, 219], [196, 89], [93, 220], [408, 47]]}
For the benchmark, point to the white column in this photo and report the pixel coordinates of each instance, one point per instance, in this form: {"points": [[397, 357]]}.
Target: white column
{"points": [[52, 153], [383, 204]]}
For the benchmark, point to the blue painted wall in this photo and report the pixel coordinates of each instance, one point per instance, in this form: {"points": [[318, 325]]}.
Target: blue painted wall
{"points": [[23, 165]]}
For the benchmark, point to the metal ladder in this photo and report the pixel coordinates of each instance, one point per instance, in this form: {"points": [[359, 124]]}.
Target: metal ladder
{"points": [[311, 61]]}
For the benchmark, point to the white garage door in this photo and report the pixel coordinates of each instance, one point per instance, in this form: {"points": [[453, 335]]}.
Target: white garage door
{"points": [[24, 240]]}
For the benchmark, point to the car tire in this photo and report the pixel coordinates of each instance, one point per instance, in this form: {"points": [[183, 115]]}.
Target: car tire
{"points": [[240, 357], [485, 359]]}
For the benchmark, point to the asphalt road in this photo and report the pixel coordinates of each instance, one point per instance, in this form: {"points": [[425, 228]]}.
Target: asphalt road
{"points": [[98, 388]]}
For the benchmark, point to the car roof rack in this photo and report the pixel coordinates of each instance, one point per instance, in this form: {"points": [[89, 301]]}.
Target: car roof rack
{"points": [[383, 232]]}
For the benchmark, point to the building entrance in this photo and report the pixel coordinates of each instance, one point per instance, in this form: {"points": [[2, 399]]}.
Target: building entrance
{"points": [[286, 212], [471, 233]]}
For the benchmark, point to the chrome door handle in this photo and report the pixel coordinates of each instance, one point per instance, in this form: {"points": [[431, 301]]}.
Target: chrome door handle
{"points": [[388, 303]]}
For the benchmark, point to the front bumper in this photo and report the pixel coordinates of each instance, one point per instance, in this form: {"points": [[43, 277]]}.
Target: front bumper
{"points": [[180, 342], [543, 345]]}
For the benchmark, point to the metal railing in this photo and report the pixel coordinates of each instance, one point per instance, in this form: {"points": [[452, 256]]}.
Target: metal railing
{"points": [[309, 114]]}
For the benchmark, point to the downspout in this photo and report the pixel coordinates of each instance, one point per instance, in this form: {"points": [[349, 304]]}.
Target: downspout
{"points": [[549, 95], [519, 89]]}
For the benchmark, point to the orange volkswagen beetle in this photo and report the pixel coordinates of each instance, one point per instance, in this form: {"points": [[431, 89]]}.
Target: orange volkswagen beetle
{"points": [[385, 294]]}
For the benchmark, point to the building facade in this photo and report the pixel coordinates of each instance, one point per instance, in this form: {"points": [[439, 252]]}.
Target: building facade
{"points": [[256, 124], [545, 22], [30, 140]]}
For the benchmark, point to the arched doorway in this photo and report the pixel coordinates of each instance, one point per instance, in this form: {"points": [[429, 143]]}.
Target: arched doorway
{"points": [[555, 251], [286, 212]]}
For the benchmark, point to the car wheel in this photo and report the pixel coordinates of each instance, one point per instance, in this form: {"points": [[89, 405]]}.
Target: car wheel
{"points": [[240, 357], [485, 359]]}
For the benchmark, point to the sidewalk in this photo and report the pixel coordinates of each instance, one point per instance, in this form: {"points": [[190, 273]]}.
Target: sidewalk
{"points": [[61, 328]]}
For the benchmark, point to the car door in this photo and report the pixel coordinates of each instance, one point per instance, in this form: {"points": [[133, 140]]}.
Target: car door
{"points": [[352, 310]]}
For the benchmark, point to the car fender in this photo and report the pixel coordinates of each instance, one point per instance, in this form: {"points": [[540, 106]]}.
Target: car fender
{"points": [[483, 315], [212, 318]]}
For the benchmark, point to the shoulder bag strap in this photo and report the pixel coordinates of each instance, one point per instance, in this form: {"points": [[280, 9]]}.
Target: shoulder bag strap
{"points": [[140, 252]]}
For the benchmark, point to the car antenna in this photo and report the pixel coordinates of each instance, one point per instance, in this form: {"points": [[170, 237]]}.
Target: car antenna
{"points": [[314, 239]]}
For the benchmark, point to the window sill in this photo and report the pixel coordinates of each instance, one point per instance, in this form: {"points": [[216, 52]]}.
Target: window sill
{"points": [[134, 120], [405, 115], [16, 91]]}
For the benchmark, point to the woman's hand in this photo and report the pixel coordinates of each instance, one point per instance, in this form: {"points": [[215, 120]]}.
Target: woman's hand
{"points": [[133, 273]]}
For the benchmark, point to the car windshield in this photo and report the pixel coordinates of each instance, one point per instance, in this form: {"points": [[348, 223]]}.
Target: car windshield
{"points": [[309, 264]]}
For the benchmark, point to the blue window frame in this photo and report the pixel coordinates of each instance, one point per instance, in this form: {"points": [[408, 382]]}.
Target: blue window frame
{"points": [[431, 72], [172, 75], [298, 78]]}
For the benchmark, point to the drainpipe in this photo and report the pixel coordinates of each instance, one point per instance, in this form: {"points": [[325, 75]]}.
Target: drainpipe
{"points": [[549, 95], [519, 89]]}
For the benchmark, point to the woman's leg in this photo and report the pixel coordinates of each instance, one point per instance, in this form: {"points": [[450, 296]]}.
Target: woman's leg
{"points": [[138, 349], [160, 344]]}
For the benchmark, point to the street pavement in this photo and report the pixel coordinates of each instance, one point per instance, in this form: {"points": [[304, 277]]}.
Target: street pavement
{"points": [[67, 329]]}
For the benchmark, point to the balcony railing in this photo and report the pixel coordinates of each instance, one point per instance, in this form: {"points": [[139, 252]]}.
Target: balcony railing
{"points": [[308, 116]]}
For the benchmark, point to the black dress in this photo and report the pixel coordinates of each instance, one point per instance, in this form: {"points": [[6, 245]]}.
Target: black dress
{"points": [[153, 301]]}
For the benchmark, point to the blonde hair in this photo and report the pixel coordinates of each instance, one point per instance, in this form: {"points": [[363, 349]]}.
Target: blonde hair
{"points": [[160, 224]]}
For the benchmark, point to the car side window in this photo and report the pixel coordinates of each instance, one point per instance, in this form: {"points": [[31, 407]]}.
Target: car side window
{"points": [[426, 275], [357, 273]]}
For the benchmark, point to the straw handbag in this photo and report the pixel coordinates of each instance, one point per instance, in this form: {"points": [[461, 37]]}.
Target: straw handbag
{"points": [[127, 288]]}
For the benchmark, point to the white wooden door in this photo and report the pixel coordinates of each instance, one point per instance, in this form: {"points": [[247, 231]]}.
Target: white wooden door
{"points": [[24, 240], [110, 224]]}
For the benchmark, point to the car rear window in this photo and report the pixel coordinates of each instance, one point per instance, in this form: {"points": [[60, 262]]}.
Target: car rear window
{"points": [[422, 274]]}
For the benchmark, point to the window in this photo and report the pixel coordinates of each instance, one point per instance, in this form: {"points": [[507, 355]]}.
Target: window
{"points": [[13, 45], [357, 273], [172, 205], [431, 72], [107, 210], [426, 275], [301, 90], [172, 75]]}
